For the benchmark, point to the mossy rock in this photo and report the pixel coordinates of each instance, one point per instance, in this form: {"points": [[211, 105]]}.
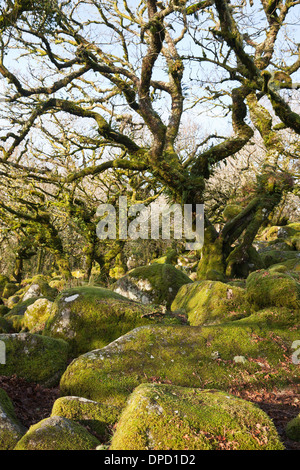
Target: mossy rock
{"points": [[208, 302], [164, 417], [99, 417], [34, 358], [265, 288], [36, 315], [3, 310], [189, 357], [11, 430], [274, 257], [57, 433], [91, 317], [37, 287], [241, 262], [292, 429], [155, 284]]}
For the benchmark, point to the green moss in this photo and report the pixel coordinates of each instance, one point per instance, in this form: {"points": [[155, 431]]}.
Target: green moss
{"points": [[36, 315], [3, 310], [231, 211], [164, 417], [155, 284], [291, 265], [57, 433], [39, 287], [15, 316], [190, 357], [169, 258], [10, 428], [207, 302], [91, 317], [272, 257], [5, 326], [265, 288], [211, 256], [9, 290], [34, 357], [241, 262], [292, 429], [97, 416]]}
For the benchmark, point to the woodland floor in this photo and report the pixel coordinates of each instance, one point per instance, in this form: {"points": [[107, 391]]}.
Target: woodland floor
{"points": [[33, 403]]}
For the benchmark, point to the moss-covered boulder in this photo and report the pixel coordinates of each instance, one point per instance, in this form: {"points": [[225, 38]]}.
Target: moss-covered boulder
{"points": [[36, 315], [99, 417], [275, 256], [57, 433], [207, 302], [11, 430], [166, 417], [91, 317], [289, 234], [3, 310], [265, 288], [154, 284], [36, 287], [292, 429], [15, 316], [34, 358], [201, 357], [169, 258]]}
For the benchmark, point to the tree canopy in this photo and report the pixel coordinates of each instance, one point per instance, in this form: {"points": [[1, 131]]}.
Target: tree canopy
{"points": [[90, 87]]}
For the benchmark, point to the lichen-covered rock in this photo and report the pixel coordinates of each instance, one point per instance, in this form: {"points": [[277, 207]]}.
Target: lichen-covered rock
{"points": [[164, 417], [97, 416], [91, 317], [57, 433], [34, 358], [265, 288], [37, 314], [292, 429], [190, 357], [11, 430], [207, 302], [154, 284]]}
